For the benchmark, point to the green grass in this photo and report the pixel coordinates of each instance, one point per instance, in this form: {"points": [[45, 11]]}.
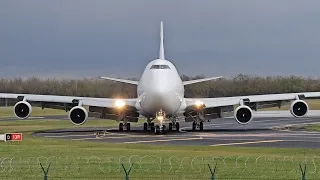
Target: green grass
{"points": [[90, 160], [312, 127]]}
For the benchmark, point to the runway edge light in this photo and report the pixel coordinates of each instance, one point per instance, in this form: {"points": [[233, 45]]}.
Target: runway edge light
{"points": [[11, 137]]}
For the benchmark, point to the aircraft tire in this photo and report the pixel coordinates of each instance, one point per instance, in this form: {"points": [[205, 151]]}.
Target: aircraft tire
{"points": [[145, 126], [201, 126], [163, 131], [194, 125], [170, 126], [177, 126], [128, 127], [120, 126], [152, 126], [156, 129]]}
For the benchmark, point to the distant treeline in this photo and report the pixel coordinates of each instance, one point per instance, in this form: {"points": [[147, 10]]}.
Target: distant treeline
{"points": [[238, 85]]}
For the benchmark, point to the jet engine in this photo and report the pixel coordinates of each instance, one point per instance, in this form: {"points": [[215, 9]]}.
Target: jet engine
{"points": [[78, 115], [299, 108], [22, 109], [243, 114]]}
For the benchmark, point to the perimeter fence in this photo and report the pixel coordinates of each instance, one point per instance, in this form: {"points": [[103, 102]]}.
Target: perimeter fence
{"points": [[156, 167]]}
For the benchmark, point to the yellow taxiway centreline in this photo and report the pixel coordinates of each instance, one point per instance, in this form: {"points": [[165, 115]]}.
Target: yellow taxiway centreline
{"points": [[249, 142]]}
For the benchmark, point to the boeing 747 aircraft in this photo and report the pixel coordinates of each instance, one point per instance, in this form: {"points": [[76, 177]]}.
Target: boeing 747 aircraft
{"points": [[160, 98]]}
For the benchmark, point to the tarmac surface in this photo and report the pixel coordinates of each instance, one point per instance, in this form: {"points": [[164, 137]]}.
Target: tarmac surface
{"points": [[267, 129]]}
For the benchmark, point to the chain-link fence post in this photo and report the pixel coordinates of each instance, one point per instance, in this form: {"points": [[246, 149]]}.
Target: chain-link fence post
{"points": [[303, 171], [213, 172], [45, 172], [127, 172]]}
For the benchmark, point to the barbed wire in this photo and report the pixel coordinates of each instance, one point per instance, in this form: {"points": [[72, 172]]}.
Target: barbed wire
{"points": [[282, 167]]}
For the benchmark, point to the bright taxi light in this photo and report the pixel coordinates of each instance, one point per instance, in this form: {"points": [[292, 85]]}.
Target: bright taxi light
{"points": [[160, 118], [199, 104], [120, 103]]}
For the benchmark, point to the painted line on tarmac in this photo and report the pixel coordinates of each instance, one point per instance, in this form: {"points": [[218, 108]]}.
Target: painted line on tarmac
{"points": [[249, 142], [36, 117], [96, 138], [102, 137], [163, 140], [70, 135]]}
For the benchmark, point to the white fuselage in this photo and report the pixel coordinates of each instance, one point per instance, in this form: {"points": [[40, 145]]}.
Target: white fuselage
{"points": [[160, 88]]}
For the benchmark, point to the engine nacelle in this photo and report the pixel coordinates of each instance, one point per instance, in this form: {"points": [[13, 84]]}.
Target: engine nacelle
{"points": [[243, 114], [78, 115], [22, 109], [299, 108]]}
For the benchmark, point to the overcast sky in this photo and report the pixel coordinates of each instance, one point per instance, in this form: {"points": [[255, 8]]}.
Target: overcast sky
{"points": [[77, 38]]}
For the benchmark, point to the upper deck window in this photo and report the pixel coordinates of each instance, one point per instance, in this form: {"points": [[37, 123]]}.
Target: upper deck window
{"points": [[160, 67]]}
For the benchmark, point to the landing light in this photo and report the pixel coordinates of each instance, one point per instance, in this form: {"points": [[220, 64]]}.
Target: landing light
{"points": [[160, 118], [120, 103], [199, 104]]}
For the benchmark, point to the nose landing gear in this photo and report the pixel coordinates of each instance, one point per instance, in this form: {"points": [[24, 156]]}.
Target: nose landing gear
{"points": [[160, 129]]}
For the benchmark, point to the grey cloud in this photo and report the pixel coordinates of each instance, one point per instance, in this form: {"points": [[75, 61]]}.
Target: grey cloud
{"points": [[117, 38]]}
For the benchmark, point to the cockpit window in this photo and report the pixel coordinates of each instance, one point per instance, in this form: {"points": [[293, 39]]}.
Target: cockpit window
{"points": [[160, 67]]}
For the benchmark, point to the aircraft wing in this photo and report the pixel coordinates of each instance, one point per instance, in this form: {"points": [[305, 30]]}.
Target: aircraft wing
{"points": [[212, 108], [121, 80], [87, 101], [200, 80], [227, 101]]}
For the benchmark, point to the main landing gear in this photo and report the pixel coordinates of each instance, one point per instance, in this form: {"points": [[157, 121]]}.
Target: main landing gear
{"points": [[124, 125], [148, 125]]}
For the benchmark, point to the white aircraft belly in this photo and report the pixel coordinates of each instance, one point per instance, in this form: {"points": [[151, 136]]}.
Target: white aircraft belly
{"points": [[169, 102]]}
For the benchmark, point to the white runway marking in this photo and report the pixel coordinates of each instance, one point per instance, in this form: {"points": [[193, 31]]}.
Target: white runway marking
{"points": [[164, 140], [36, 117], [249, 142]]}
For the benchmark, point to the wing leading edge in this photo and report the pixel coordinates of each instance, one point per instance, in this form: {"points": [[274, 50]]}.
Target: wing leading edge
{"points": [[227, 101], [87, 101], [200, 80], [121, 80]]}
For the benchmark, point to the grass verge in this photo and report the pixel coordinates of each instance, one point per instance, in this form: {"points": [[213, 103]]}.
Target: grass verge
{"points": [[312, 127]]}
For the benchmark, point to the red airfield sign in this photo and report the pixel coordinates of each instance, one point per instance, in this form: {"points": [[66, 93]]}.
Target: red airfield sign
{"points": [[13, 137]]}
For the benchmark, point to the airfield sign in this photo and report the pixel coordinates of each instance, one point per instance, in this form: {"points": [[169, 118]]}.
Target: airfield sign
{"points": [[11, 137]]}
